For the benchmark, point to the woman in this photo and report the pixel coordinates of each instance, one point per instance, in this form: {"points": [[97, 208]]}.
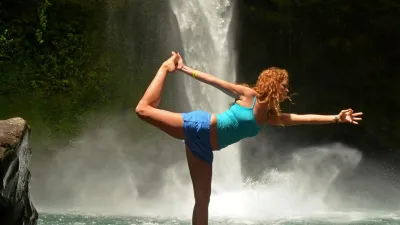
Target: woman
{"points": [[205, 132]]}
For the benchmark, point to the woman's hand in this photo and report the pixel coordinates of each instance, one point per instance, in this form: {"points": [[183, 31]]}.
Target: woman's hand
{"points": [[347, 116], [180, 64], [171, 64]]}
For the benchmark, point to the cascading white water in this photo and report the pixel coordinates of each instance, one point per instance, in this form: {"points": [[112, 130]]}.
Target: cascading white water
{"points": [[204, 27], [300, 187], [94, 175]]}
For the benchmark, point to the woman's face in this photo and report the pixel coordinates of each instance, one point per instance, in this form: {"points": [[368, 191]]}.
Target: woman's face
{"points": [[283, 90]]}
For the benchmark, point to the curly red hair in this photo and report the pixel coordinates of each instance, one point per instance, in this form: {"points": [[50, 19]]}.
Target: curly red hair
{"points": [[267, 88]]}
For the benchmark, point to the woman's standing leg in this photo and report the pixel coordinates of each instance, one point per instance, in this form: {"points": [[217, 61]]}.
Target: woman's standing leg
{"points": [[169, 122], [172, 124], [201, 174]]}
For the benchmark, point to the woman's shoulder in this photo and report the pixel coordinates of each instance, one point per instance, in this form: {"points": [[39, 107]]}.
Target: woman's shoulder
{"points": [[247, 96], [249, 93]]}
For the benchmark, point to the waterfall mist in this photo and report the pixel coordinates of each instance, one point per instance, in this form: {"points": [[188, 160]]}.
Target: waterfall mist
{"points": [[120, 165]]}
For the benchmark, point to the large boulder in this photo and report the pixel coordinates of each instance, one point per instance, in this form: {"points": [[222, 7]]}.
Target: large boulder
{"points": [[16, 207]]}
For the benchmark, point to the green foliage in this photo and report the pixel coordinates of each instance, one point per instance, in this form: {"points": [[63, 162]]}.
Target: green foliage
{"points": [[51, 61], [43, 5]]}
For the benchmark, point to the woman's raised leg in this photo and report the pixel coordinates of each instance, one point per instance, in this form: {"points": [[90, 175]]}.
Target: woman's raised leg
{"points": [[201, 174], [169, 122]]}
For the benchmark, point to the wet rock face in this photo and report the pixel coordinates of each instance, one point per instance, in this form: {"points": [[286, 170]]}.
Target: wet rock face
{"points": [[16, 207]]}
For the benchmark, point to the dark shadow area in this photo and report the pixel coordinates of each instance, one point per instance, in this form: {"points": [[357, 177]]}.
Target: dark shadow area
{"points": [[340, 54]]}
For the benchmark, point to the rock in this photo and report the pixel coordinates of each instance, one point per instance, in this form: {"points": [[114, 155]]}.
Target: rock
{"points": [[16, 207]]}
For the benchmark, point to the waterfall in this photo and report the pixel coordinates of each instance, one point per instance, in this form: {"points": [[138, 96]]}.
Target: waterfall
{"points": [[300, 186], [204, 28], [108, 171]]}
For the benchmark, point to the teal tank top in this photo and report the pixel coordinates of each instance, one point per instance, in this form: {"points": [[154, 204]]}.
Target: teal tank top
{"points": [[236, 123]]}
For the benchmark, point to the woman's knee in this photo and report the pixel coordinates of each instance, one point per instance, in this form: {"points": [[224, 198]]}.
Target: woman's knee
{"points": [[203, 196]]}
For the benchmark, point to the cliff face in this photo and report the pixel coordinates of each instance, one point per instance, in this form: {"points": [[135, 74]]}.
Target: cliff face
{"points": [[16, 207]]}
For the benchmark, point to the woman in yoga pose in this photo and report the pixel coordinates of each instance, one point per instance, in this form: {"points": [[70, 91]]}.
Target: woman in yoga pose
{"points": [[205, 132]]}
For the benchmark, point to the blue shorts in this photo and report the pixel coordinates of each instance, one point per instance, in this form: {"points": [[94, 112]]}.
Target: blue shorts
{"points": [[196, 126]]}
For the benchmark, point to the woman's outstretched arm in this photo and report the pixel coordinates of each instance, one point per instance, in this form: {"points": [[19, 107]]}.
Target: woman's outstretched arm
{"points": [[231, 89], [287, 119]]}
